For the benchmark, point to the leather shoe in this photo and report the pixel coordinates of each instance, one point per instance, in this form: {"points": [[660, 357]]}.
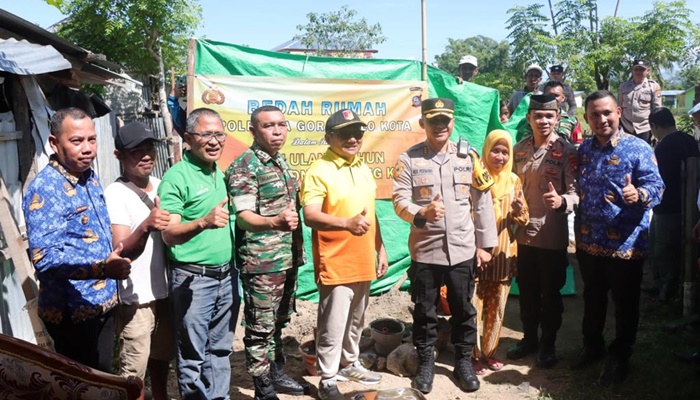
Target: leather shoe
{"points": [[546, 358], [588, 356], [614, 372], [521, 349]]}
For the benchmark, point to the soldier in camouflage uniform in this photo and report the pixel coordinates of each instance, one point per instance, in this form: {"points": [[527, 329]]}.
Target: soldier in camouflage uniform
{"points": [[568, 127], [269, 249]]}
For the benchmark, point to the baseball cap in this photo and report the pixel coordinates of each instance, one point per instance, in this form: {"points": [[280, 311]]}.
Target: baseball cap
{"points": [[132, 135], [556, 68], [694, 110], [640, 63], [543, 102], [342, 118], [431, 108], [535, 67], [468, 59]]}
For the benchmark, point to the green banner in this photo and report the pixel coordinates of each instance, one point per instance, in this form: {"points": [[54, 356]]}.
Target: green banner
{"points": [[476, 114]]}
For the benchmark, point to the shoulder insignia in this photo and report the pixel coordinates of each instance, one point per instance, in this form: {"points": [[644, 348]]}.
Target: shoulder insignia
{"points": [[398, 169]]}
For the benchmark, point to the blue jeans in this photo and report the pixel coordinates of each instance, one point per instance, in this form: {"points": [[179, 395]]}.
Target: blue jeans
{"points": [[205, 311]]}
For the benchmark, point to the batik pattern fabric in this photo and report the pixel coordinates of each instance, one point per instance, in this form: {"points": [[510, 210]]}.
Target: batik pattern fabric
{"points": [[605, 225], [69, 241]]}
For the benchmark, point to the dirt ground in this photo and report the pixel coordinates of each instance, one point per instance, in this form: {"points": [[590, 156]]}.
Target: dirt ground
{"points": [[518, 379]]}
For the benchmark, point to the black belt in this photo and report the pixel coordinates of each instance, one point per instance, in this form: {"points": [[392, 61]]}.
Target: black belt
{"points": [[210, 271]]}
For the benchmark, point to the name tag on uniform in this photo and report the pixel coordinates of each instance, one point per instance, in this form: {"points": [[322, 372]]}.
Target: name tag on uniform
{"points": [[268, 177]]}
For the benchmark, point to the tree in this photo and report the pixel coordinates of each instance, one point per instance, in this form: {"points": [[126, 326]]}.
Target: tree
{"points": [[602, 50], [495, 69], [530, 38], [141, 35], [338, 34]]}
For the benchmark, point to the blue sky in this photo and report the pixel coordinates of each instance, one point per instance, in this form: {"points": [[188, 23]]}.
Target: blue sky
{"points": [[266, 24]]}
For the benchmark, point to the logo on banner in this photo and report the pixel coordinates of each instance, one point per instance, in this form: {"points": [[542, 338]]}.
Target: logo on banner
{"points": [[213, 96]]}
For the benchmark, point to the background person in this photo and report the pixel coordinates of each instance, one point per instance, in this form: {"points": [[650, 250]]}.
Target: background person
{"points": [[143, 322], [673, 147], [556, 74], [637, 98], [533, 77], [468, 69]]}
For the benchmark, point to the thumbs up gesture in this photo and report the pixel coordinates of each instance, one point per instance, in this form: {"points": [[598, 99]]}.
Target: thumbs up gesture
{"points": [[435, 210], [629, 193], [517, 204], [116, 266], [218, 216], [358, 225], [158, 219], [287, 220], [551, 198]]}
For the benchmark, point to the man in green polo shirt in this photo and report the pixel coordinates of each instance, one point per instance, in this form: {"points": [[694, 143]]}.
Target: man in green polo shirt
{"points": [[199, 249]]}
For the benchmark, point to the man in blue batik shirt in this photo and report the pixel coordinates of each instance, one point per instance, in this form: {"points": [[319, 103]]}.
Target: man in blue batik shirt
{"points": [[619, 184], [70, 243]]}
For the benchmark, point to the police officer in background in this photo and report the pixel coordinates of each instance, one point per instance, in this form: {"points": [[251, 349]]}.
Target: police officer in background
{"points": [[269, 249], [638, 97], [435, 192], [547, 165], [556, 74]]}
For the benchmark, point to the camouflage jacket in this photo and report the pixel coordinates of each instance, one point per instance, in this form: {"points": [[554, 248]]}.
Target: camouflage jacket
{"points": [[264, 185]]}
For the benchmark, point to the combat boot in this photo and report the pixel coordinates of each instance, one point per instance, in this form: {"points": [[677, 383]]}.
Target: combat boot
{"points": [[426, 370], [464, 371], [284, 383], [263, 388]]}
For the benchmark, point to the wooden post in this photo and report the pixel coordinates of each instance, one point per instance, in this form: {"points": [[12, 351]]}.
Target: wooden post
{"points": [[17, 250]]}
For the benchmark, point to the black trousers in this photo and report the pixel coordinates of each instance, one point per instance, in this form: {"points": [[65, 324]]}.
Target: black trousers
{"points": [[89, 342], [623, 279], [426, 280], [541, 275]]}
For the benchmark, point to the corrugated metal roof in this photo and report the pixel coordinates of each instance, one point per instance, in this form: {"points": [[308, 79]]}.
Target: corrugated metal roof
{"points": [[20, 57]]}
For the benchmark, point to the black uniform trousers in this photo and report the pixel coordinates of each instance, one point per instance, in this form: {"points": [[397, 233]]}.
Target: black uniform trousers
{"points": [[89, 342], [541, 275], [426, 280], [623, 279]]}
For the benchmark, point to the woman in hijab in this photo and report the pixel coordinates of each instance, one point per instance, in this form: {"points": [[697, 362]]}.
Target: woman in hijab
{"points": [[493, 280]]}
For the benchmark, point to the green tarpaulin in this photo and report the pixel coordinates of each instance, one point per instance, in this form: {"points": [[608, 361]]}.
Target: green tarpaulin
{"points": [[476, 113]]}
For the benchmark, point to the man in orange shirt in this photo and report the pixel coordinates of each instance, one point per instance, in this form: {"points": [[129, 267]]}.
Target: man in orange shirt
{"points": [[338, 196]]}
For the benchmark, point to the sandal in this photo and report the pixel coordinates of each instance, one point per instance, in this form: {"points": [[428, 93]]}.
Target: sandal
{"points": [[493, 364], [478, 367]]}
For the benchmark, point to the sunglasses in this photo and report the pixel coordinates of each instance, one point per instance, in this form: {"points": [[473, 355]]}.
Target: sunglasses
{"points": [[346, 134]]}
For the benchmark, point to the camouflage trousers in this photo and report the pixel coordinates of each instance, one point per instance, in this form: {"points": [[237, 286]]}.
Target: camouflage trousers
{"points": [[269, 303]]}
